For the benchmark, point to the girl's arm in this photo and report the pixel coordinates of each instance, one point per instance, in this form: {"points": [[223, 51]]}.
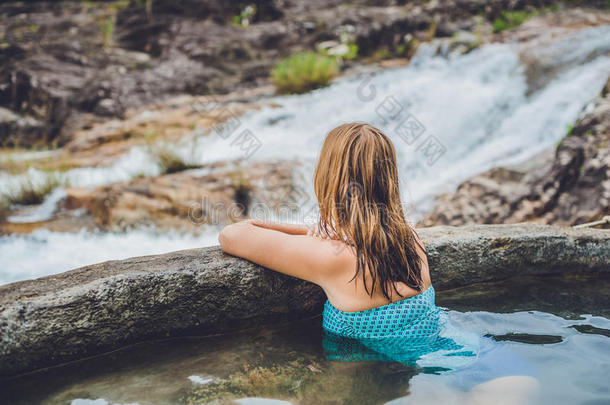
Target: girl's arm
{"points": [[302, 256], [291, 229]]}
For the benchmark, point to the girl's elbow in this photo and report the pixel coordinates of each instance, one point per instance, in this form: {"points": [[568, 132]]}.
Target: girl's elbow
{"points": [[228, 237], [223, 238]]}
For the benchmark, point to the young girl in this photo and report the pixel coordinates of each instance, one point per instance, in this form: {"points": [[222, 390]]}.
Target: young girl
{"points": [[364, 255]]}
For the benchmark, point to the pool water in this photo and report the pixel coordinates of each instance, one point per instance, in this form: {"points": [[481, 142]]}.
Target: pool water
{"points": [[558, 327]]}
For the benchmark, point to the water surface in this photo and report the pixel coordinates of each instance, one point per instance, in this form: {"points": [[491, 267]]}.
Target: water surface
{"points": [[559, 326]]}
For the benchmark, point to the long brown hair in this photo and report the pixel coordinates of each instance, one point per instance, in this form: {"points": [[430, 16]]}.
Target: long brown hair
{"points": [[356, 183]]}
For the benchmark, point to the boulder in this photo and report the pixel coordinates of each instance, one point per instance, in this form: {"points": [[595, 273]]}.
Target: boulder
{"points": [[214, 195], [16, 130], [568, 186]]}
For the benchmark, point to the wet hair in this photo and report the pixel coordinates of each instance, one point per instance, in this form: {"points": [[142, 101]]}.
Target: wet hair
{"points": [[356, 183]]}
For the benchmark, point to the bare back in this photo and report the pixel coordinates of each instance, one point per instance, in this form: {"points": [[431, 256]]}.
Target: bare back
{"points": [[348, 294]]}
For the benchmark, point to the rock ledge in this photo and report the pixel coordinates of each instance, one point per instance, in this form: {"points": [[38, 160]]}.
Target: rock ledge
{"points": [[97, 308]]}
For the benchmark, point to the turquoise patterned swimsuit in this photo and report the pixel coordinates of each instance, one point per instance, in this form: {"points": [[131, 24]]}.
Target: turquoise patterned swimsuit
{"points": [[415, 317], [415, 332], [402, 331]]}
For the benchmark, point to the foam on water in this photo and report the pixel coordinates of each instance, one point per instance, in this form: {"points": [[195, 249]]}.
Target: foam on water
{"points": [[137, 161], [42, 211], [44, 252]]}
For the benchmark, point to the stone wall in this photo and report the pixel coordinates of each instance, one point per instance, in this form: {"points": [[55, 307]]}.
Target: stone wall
{"points": [[97, 308]]}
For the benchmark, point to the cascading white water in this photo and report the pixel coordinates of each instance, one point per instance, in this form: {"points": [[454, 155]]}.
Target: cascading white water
{"points": [[467, 113], [45, 252], [475, 105]]}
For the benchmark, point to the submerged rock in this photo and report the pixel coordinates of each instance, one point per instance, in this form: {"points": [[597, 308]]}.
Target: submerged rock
{"points": [[93, 309]]}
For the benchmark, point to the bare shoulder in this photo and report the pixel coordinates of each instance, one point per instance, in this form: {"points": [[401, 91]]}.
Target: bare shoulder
{"points": [[425, 269], [332, 255]]}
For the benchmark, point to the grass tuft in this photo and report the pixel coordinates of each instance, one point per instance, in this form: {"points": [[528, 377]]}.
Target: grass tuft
{"points": [[510, 19], [352, 53], [31, 192], [244, 19], [242, 190], [107, 25], [169, 161], [303, 72]]}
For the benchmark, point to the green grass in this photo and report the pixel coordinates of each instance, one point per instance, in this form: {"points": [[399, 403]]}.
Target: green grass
{"points": [[403, 50], [382, 53], [569, 132], [510, 19], [169, 161], [31, 193], [244, 18], [353, 51], [107, 28], [303, 72], [140, 175]]}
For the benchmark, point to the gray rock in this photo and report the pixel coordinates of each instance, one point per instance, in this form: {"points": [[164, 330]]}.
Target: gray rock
{"points": [[460, 256], [569, 186], [93, 309], [17, 130]]}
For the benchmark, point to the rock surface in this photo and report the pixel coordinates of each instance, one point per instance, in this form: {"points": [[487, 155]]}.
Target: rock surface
{"points": [[70, 64], [54, 319], [15, 129], [215, 195], [569, 188]]}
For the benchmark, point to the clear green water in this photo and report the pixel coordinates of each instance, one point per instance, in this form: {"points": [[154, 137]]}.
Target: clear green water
{"points": [[559, 326]]}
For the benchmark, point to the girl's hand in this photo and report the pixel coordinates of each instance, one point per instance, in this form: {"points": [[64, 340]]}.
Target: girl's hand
{"points": [[315, 232], [311, 231], [247, 221]]}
